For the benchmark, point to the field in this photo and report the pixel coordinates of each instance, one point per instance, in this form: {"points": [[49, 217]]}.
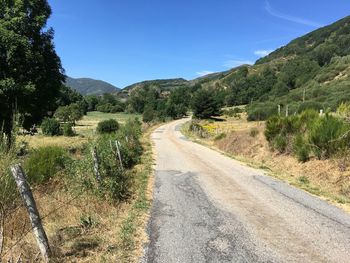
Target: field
{"points": [[85, 129], [245, 141], [83, 227]]}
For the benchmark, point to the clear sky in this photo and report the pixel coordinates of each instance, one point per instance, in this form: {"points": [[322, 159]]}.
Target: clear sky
{"points": [[126, 41]]}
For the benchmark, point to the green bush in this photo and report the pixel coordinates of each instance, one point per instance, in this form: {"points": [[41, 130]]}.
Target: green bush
{"points": [[273, 128], [259, 112], [301, 149], [67, 130], [50, 127], [107, 126], [328, 135], [43, 163], [280, 143]]}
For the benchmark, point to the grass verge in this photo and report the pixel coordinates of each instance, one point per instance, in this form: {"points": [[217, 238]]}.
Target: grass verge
{"points": [[132, 233]]}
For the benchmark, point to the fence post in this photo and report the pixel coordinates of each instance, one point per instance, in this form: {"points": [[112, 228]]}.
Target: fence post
{"points": [[117, 143], [1, 232], [34, 216], [96, 165]]}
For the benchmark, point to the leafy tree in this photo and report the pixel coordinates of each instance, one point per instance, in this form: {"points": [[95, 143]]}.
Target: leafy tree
{"points": [[70, 113], [178, 103], [92, 102], [50, 127], [204, 104], [30, 70], [148, 114], [68, 96]]}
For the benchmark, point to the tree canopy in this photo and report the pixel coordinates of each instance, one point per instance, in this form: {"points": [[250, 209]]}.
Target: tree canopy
{"points": [[31, 74]]}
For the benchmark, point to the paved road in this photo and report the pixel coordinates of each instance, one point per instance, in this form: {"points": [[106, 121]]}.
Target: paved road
{"points": [[210, 208]]}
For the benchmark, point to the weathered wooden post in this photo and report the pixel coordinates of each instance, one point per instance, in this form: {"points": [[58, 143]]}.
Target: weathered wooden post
{"points": [[279, 110], [1, 232], [117, 143], [287, 111], [96, 162], [34, 216]]}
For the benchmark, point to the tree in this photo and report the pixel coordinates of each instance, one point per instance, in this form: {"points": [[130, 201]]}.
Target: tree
{"points": [[92, 102], [30, 70], [71, 113], [178, 102], [204, 104], [148, 114]]}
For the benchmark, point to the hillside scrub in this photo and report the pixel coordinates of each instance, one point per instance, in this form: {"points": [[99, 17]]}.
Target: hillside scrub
{"points": [[306, 133]]}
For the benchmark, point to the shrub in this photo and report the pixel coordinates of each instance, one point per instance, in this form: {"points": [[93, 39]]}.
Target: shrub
{"points": [[107, 126], [253, 132], [50, 127], [148, 115], [310, 105], [259, 112], [43, 163], [67, 130], [274, 126], [280, 143], [301, 149], [328, 135]]}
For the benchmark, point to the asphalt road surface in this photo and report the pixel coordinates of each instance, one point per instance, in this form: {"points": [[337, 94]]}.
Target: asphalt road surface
{"points": [[210, 208]]}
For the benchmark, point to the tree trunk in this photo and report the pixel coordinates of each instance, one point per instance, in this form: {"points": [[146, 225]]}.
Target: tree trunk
{"points": [[33, 212]]}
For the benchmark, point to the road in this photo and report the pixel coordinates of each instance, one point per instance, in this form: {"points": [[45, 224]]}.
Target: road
{"points": [[210, 208]]}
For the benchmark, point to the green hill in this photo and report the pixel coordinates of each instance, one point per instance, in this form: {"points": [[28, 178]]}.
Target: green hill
{"points": [[87, 86], [311, 71], [164, 84]]}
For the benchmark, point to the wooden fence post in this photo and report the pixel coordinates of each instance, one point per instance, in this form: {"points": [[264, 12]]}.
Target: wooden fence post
{"points": [[117, 143], [34, 216], [96, 162], [1, 232]]}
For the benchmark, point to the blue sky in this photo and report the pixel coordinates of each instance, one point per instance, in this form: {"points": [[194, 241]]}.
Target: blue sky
{"points": [[126, 41]]}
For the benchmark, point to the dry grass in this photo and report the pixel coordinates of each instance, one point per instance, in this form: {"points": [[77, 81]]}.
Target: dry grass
{"points": [[84, 228], [329, 179], [61, 141]]}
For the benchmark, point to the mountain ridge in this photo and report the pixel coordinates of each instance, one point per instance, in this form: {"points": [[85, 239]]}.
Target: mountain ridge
{"points": [[89, 86]]}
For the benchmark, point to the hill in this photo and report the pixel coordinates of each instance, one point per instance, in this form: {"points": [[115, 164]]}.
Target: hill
{"points": [[311, 71], [87, 86], [164, 84]]}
